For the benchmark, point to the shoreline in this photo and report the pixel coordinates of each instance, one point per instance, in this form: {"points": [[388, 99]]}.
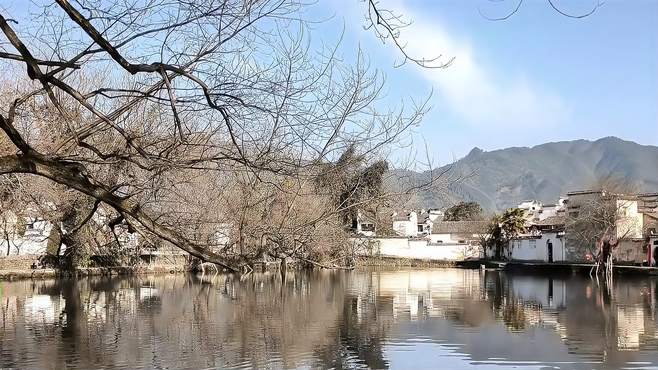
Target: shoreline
{"points": [[554, 267], [50, 273], [526, 267]]}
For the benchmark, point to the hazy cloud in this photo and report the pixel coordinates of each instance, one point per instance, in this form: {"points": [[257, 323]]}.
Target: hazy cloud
{"points": [[481, 93]]}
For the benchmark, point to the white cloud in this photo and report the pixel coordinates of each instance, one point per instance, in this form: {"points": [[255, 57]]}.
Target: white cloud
{"points": [[482, 94]]}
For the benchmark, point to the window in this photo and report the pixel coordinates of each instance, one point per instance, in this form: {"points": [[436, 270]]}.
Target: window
{"points": [[573, 214], [367, 227], [420, 228]]}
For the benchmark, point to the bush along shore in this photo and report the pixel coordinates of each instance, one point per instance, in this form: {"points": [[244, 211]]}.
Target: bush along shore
{"points": [[31, 266], [46, 273]]}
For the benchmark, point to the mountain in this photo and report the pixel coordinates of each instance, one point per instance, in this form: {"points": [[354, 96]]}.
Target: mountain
{"points": [[501, 179]]}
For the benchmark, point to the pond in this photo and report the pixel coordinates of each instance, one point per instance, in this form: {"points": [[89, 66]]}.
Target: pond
{"points": [[402, 319]]}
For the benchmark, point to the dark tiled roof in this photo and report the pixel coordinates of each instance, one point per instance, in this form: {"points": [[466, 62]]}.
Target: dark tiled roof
{"points": [[553, 220], [402, 217], [460, 227], [581, 192]]}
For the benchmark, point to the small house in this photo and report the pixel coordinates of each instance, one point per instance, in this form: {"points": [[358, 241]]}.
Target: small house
{"points": [[545, 242], [546, 247], [405, 223]]}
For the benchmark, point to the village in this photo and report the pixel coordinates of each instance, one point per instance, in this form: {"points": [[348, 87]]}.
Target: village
{"points": [[360, 184], [547, 235]]}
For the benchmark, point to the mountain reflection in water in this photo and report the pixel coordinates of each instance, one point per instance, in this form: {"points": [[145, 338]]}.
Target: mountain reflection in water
{"points": [[439, 318]]}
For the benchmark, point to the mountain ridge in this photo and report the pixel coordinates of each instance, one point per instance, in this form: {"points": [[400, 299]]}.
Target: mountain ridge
{"points": [[502, 178]]}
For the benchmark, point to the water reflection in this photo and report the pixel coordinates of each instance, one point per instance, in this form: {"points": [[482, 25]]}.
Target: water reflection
{"points": [[443, 318]]}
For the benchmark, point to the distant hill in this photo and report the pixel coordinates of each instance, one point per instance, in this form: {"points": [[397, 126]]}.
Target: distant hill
{"points": [[502, 178]]}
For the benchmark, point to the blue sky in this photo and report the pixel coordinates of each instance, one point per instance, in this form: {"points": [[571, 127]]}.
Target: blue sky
{"points": [[534, 78]]}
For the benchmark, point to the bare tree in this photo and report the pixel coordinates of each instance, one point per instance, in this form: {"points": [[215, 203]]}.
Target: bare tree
{"points": [[599, 220], [129, 102]]}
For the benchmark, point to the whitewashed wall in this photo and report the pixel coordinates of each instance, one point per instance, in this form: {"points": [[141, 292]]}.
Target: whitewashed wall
{"points": [[536, 249], [629, 221], [441, 238], [407, 227], [423, 249]]}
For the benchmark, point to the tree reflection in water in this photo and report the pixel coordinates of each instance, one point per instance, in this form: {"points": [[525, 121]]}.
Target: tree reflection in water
{"points": [[327, 319]]}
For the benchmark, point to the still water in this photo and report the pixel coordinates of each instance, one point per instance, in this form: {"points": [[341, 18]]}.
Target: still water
{"points": [[403, 319]]}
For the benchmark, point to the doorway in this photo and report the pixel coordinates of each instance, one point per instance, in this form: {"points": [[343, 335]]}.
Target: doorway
{"points": [[549, 246]]}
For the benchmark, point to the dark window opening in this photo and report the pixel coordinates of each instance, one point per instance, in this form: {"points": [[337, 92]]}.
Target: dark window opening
{"points": [[367, 227]]}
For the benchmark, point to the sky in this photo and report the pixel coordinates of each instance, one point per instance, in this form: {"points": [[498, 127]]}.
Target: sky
{"points": [[536, 77]]}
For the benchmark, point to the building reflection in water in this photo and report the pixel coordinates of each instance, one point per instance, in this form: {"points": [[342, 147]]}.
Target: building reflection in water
{"points": [[327, 319]]}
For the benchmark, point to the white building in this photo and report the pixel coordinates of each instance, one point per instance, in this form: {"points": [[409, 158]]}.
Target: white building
{"points": [[552, 210], [426, 220], [544, 242], [546, 247], [531, 210], [530, 205], [536, 211], [629, 223], [419, 249], [629, 220], [29, 235], [405, 223], [23, 235]]}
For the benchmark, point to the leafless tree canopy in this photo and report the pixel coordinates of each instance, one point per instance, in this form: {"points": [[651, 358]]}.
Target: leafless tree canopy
{"points": [[170, 112], [600, 216]]}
